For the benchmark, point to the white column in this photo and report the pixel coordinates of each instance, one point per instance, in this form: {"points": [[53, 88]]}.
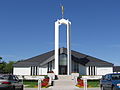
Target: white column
{"points": [[57, 24], [87, 70], [95, 70], [68, 49], [56, 47]]}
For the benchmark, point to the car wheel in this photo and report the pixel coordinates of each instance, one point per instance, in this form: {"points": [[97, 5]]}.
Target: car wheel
{"points": [[21, 87], [13, 88], [113, 88]]}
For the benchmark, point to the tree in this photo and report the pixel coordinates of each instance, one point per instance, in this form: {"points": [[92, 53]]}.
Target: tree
{"points": [[9, 67], [6, 67], [0, 59], [2, 67]]}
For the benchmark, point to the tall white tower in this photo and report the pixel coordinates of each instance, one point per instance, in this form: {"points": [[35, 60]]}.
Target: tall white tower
{"points": [[57, 25]]}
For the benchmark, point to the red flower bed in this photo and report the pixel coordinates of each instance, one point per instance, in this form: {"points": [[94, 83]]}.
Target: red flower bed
{"points": [[45, 82], [80, 83], [79, 80]]}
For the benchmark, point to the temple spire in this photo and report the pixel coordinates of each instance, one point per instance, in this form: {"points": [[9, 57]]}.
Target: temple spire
{"points": [[62, 8]]}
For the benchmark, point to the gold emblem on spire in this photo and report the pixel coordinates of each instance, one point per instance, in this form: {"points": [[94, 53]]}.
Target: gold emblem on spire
{"points": [[62, 7]]}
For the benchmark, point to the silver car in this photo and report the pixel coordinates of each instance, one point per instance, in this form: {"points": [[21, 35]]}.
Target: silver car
{"points": [[10, 82]]}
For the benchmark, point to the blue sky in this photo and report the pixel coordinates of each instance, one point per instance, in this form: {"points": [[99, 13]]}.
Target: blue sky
{"points": [[27, 27]]}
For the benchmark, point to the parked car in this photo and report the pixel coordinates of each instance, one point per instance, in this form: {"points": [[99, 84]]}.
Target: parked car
{"points": [[10, 82], [110, 82]]}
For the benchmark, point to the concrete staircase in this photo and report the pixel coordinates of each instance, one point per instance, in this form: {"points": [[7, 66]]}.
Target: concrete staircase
{"points": [[64, 77], [64, 82]]}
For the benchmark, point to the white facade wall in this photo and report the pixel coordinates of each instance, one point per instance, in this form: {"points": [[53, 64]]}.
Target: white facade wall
{"points": [[104, 70], [21, 70], [43, 70], [82, 70]]}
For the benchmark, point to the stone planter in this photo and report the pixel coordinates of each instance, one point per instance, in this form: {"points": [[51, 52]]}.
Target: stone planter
{"points": [[74, 75], [51, 77]]}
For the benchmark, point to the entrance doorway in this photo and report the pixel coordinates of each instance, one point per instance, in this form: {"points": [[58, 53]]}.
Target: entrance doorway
{"points": [[63, 64], [62, 70]]}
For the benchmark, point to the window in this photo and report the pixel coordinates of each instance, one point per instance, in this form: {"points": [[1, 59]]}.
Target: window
{"points": [[50, 65], [116, 77], [75, 67], [92, 70], [89, 70], [63, 64], [63, 59], [34, 70]]}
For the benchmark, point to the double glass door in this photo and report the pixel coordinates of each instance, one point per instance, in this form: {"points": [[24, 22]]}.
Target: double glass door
{"points": [[62, 70], [63, 64]]}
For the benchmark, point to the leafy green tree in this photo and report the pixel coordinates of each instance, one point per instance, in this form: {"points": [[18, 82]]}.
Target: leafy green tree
{"points": [[2, 67], [9, 67], [0, 57], [6, 67]]}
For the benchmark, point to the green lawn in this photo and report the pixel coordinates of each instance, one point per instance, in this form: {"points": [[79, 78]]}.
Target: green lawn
{"points": [[30, 83], [33, 83], [93, 83]]}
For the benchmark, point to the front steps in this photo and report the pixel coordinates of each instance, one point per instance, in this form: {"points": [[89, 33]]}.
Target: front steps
{"points": [[64, 82], [64, 77]]}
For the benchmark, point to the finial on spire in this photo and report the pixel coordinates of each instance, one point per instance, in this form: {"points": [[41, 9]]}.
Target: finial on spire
{"points": [[62, 7]]}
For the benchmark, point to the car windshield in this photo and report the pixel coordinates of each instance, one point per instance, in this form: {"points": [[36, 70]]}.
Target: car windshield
{"points": [[116, 76], [4, 77]]}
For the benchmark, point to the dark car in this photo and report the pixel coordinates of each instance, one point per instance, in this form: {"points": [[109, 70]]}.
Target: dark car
{"points": [[10, 82], [110, 82]]}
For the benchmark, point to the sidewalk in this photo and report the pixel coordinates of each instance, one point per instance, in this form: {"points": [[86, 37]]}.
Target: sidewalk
{"points": [[61, 89], [64, 82]]}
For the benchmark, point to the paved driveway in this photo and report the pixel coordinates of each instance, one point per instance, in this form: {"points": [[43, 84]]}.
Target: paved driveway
{"points": [[61, 89]]}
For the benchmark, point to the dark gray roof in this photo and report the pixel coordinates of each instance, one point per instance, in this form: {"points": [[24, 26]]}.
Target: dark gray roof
{"points": [[89, 60], [116, 69], [35, 61], [76, 56]]}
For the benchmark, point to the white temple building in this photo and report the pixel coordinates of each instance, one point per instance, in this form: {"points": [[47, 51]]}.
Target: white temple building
{"points": [[62, 61]]}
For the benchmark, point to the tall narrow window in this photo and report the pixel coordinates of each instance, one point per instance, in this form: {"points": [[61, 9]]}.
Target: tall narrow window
{"points": [[63, 64], [31, 71], [63, 59], [92, 70], [48, 67], [34, 70], [76, 67], [89, 70]]}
